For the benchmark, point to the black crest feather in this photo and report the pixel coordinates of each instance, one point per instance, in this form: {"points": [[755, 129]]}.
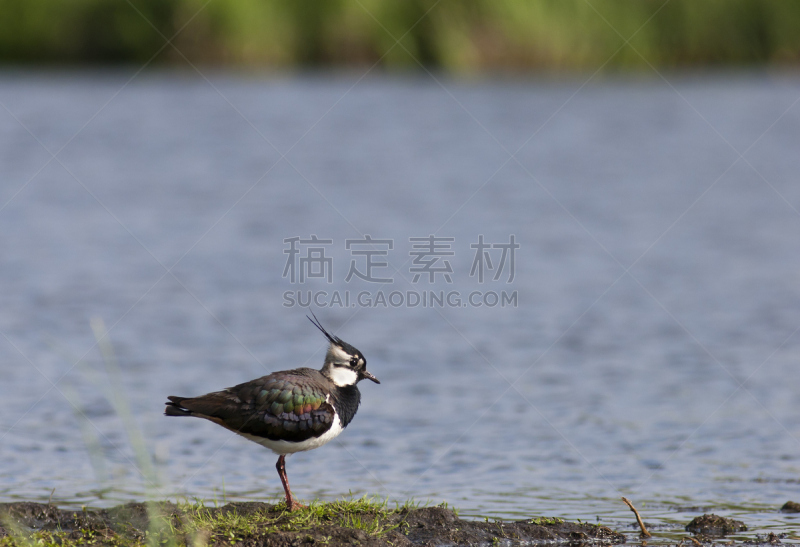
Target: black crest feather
{"points": [[333, 339]]}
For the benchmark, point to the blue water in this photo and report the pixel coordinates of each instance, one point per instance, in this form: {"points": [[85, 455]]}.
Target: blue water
{"points": [[653, 348]]}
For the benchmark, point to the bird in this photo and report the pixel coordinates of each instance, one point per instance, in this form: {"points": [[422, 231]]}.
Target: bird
{"points": [[291, 410]]}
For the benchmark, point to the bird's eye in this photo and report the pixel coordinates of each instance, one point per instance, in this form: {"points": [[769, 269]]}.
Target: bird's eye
{"points": [[354, 361]]}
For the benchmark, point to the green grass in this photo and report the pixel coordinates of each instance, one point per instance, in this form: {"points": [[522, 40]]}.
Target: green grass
{"points": [[458, 35], [367, 514], [197, 525]]}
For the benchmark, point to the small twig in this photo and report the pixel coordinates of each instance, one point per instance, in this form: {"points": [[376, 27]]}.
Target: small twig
{"points": [[695, 541], [645, 533], [50, 500]]}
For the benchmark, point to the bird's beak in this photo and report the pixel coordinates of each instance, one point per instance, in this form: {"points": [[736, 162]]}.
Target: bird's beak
{"points": [[368, 376]]}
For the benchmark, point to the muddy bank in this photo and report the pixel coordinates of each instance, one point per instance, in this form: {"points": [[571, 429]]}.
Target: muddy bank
{"points": [[260, 524], [715, 526]]}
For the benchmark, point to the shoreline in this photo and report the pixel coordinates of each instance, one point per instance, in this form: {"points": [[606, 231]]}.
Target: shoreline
{"points": [[362, 522], [255, 524]]}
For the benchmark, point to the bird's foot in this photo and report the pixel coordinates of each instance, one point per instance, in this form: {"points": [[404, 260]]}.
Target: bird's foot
{"points": [[292, 505]]}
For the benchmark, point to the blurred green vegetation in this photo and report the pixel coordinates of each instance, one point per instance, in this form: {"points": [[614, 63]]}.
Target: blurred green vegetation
{"points": [[459, 35]]}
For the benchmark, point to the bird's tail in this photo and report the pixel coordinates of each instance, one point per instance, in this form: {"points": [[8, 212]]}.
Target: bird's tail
{"points": [[174, 407]]}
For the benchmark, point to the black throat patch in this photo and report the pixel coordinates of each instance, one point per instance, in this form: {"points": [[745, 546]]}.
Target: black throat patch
{"points": [[346, 400]]}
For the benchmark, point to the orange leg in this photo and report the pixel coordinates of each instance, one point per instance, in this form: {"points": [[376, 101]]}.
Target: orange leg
{"points": [[291, 505]]}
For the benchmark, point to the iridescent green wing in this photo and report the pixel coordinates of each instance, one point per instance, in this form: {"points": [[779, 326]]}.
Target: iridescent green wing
{"points": [[288, 406]]}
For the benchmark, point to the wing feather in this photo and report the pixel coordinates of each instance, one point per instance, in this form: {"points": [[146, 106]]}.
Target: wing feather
{"points": [[286, 405]]}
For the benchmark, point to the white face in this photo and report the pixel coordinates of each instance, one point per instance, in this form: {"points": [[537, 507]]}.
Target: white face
{"points": [[340, 363], [338, 354], [343, 376]]}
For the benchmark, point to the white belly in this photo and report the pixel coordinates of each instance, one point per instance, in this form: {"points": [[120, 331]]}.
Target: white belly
{"points": [[285, 447]]}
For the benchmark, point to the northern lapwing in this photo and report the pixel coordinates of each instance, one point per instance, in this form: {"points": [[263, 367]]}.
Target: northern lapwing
{"points": [[288, 411]]}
